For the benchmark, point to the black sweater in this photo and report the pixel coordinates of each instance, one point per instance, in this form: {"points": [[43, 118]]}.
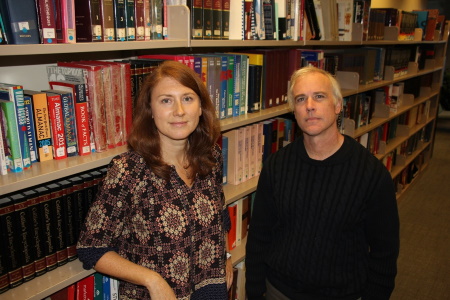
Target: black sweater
{"points": [[323, 229]]}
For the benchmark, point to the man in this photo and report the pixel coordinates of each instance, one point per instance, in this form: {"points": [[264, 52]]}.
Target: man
{"points": [[325, 220]]}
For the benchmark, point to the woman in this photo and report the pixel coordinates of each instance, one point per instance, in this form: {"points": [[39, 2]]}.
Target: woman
{"points": [[159, 220]]}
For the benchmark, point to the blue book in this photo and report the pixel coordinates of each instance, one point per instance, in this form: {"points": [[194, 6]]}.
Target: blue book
{"points": [[243, 102], [225, 159], [106, 288], [223, 87], [20, 21], [237, 85], [31, 132]]}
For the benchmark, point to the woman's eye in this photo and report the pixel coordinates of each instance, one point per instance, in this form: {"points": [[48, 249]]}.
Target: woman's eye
{"points": [[165, 100], [188, 98]]}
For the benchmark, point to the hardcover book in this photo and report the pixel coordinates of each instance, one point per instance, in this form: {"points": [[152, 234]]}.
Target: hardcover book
{"points": [[25, 235], [130, 22], [20, 21], [217, 20], [207, 19], [42, 124], [12, 243], [65, 21], [140, 20], [36, 229], [88, 21], [46, 21], [120, 16], [157, 19], [197, 19], [108, 27], [69, 213]]}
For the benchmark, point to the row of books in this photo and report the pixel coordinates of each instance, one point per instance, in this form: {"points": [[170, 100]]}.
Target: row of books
{"points": [[376, 140], [94, 287], [239, 212], [40, 226], [246, 148], [70, 21], [237, 289], [402, 180]]}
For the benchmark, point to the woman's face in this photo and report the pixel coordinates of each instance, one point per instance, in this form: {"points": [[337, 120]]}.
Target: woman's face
{"points": [[176, 109]]}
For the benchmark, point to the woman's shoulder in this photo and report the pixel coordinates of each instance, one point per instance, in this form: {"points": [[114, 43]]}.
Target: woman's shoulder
{"points": [[127, 161]]}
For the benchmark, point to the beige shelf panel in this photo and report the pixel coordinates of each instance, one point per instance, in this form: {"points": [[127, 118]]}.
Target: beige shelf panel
{"points": [[49, 283]]}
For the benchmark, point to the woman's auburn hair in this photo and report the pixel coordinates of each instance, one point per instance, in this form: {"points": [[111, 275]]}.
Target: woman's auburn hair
{"points": [[144, 135]]}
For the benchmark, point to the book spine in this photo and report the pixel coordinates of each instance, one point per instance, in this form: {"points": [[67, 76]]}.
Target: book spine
{"points": [[225, 159], [25, 236], [232, 211], [237, 85], [18, 97], [20, 21], [46, 16], [58, 221], [107, 12], [140, 20], [157, 19], [197, 19], [96, 21], [42, 126], [207, 19], [3, 147], [98, 286], [31, 132], [68, 114], [57, 126], [83, 131], [217, 20], [225, 20], [230, 89], [13, 246], [85, 288], [36, 227], [224, 88], [69, 210], [120, 20], [130, 22], [14, 159], [243, 99]]}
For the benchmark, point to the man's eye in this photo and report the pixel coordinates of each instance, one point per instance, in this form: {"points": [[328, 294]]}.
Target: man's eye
{"points": [[320, 96], [299, 99]]}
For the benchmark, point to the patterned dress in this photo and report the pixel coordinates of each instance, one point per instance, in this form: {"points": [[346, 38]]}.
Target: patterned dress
{"points": [[168, 227]]}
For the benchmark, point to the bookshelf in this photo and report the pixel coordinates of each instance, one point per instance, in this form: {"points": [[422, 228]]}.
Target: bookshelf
{"points": [[25, 62]]}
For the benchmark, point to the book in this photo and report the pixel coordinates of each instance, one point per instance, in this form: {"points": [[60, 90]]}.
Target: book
{"points": [[225, 35], [147, 20], [231, 236], [224, 159], [85, 288], [237, 22], [42, 124], [345, 19], [68, 116], [12, 103], [3, 37], [139, 16], [88, 21], [30, 128], [57, 125], [20, 21], [157, 19], [65, 21], [207, 19], [130, 22], [36, 229], [196, 7], [25, 235], [120, 25], [235, 155], [3, 146], [46, 21], [13, 246], [217, 19], [69, 207], [107, 13]]}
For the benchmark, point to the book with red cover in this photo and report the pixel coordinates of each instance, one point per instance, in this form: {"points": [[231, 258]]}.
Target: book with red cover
{"points": [[65, 21], [88, 21], [96, 103], [47, 26], [85, 288], [139, 12], [232, 211], [57, 125]]}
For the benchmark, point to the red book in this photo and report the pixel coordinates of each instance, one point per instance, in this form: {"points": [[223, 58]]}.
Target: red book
{"points": [[85, 288], [127, 98], [232, 211], [57, 124], [139, 11], [47, 25]]}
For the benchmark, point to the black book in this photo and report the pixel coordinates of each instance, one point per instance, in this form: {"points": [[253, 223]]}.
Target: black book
{"points": [[11, 241], [254, 88], [47, 215], [36, 226], [88, 21], [130, 22], [312, 20], [78, 202], [88, 191], [25, 235], [58, 221], [69, 209]]}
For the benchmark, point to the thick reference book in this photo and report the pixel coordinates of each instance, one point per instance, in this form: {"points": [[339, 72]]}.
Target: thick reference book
{"points": [[130, 22], [46, 21], [88, 21], [42, 124], [65, 21], [20, 21], [107, 13], [120, 16], [139, 12], [11, 241]]}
